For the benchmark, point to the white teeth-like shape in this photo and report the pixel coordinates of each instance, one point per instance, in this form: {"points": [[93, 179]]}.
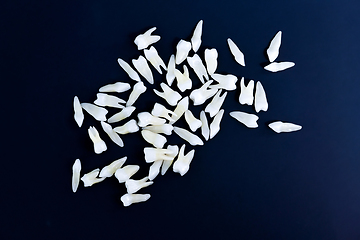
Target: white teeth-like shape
{"points": [[214, 106], [128, 199], [129, 127], [78, 113], [227, 82], [200, 95], [197, 65], [280, 127], [154, 169], [205, 131], [76, 168], [164, 128], [105, 100], [260, 98], [98, 113], [123, 174], [139, 88], [182, 163], [99, 144], [112, 134], [183, 79], [172, 97], [215, 125], [249, 120], [170, 74], [156, 154], [118, 87], [153, 57], [167, 164], [246, 92], [125, 113], [145, 119], [180, 109], [182, 51], [142, 41], [279, 66], [211, 56], [273, 50], [161, 111], [143, 68], [193, 122], [90, 179], [235, 51], [128, 69], [110, 169], [133, 186], [155, 139], [188, 136], [196, 37]]}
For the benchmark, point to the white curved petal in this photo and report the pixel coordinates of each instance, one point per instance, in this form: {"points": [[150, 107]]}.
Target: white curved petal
{"points": [[249, 120]]}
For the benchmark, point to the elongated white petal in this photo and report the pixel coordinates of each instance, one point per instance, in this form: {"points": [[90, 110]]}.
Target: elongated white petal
{"points": [[132, 186], [227, 82], [182, 51], [214, 106], [139, 88], [193, 122], [125, 173], [108, 100], [155, 139], [129, 127], [188, 136], [144, 40], [205, 131], [128, 69], [182, 163], [143, 68], [200, 95], [128, 199], [164, 128], [125, 113], [280, 127], [180, 109], [183, 79], [99, 144], [145, 119], [160, 111], [215, 125], [261, 103], [246, 92], [197, 65], [110, 169], [98, 113], [116, 87], [172, 97], [156, 154], [112, 134], [90, 178], [154, 169], [78, 113], [211, 56], [170, 74], [249, 120], [235, 51], [167, 164], [76, 168], [153, 57], [196, 37], [279, 66], [273, 50]]}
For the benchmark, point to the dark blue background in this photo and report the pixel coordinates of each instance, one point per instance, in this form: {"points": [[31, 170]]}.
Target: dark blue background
{"points": [[243, 184]]}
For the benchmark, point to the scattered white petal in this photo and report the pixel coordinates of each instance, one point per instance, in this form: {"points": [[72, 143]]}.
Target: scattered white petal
{"points": [[155, 139], [132, 186], [156, 154], [211, 56], [279, 66], [128, 69], [260, 98], [105, 100], [182, 163], [235, 51], [172, 97], [153, 57], [143, 68], [166, 164], [197, 65], [90, 179], [214, 106], [139, 88], [280, 127], [142, 41], [215, 125], [193, 122], [164, 128], [129, 127], [196, 37], [76, 168], [205, 131], [227, 82], [188, 136], [78, 113], [246, 92], [128, 199], [249, 120], [125, 113], [183, 79], [110, 169], [273, 50], [99, 144], [98, 113], [154, 169], [170, 74], [160, 111], [180, 109], [124, 173], [112, 134], [116, 87], [200, 95], [182, 51], [146, 118]]}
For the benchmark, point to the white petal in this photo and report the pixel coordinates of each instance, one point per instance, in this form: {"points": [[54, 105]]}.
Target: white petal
{"points": [[133, 186], [76, 168], [142, 41], [170, 75], [129, 199], [196, 38], [139, 88], [215, 125], [182, 164], [280, 127], [98, 113], [193, 122], [157, 154], [155, 139], [161, 111], [110, 169], [260, 98], [125, 113], [104, 100], [128, 69], [227, 82], [273, 50], [200, 95], [112, 134], [78, 113], [143, 68], [153, 57], [211, 56], [247, 92], [154, 169], [172, 97], [164, 128], [124, 173], [99, 144], [90, 178], [235, 51], [214, 106], [279, 66], [116, 87], [167, 164], [249, 120], [180, 109], [188, 136], [129, 127], [205, 131], [182, 51], [183, 79], [145, 119], [197, 65]]}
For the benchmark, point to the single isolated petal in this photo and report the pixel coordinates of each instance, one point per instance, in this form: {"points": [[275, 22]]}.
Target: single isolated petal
{"points": [[132, 186], [112, 134], [146, 118], [99, 144], [197, 65], [128, 199], [182, 164], [280, 127], [76, 168], [129, 127], [200, 95], [279, 66], [154, 169], [182, 51], [78, 113], [273, 50], [215, 125], [155, 139], [142, 41], [143, 68], [98, 113], [193, 122], [249, 120], [125, 113], [183, 79], [128, 69], [211, 56], [246, 92], [153, 57], [227, 82], [172, 97], [125, 173], [205, 130], [106, 100], [166, 164], [164, 128], [235, 51], [261, 103], [157, 154], [160, 111], [180, 109], [139, 88], [188, 136], [110, 169], [196, 37], [116, 87], [170, 74], [90, 178], [214, 106]]}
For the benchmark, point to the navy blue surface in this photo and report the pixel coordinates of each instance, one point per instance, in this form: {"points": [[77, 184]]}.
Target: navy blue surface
{"points": [[244, 183]]}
